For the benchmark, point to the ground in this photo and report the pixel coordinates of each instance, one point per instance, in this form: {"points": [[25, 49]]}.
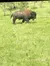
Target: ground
{"points": [[25, 44]]}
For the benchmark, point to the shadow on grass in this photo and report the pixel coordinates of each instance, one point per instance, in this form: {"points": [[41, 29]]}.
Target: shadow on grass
{"points": [[25, 22], [17, 23], [33, 22]]}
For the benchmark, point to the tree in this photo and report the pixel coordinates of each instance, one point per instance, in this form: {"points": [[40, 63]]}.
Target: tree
{"points": [[35, 3], [9, 6], [4, 9], [22, 5], [41, 3]]}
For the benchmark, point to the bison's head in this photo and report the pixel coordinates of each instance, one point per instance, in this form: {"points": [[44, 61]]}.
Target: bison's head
{"points": [[33, 15]]}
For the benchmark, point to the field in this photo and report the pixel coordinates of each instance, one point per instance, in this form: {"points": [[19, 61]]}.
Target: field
{"points": [[26, 44]]}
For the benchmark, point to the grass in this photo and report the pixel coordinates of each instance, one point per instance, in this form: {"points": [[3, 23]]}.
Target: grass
{"points": [[25, 44]]}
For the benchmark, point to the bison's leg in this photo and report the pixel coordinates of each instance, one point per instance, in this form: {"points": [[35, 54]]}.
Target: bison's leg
{"points": [[14, 21], [23, 21], [27, 20]]}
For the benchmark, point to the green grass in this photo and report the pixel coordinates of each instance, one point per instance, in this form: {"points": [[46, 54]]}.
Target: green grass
{"points": [[25, 44]]}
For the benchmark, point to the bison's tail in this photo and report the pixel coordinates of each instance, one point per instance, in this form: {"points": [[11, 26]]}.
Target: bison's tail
{"points": [[11, 15]]}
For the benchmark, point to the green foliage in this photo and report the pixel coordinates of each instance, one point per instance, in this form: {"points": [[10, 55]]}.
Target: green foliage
{"points": [[22, 5]]}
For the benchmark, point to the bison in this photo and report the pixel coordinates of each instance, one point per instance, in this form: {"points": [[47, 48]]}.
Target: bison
{"points": [[25, 15]]}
